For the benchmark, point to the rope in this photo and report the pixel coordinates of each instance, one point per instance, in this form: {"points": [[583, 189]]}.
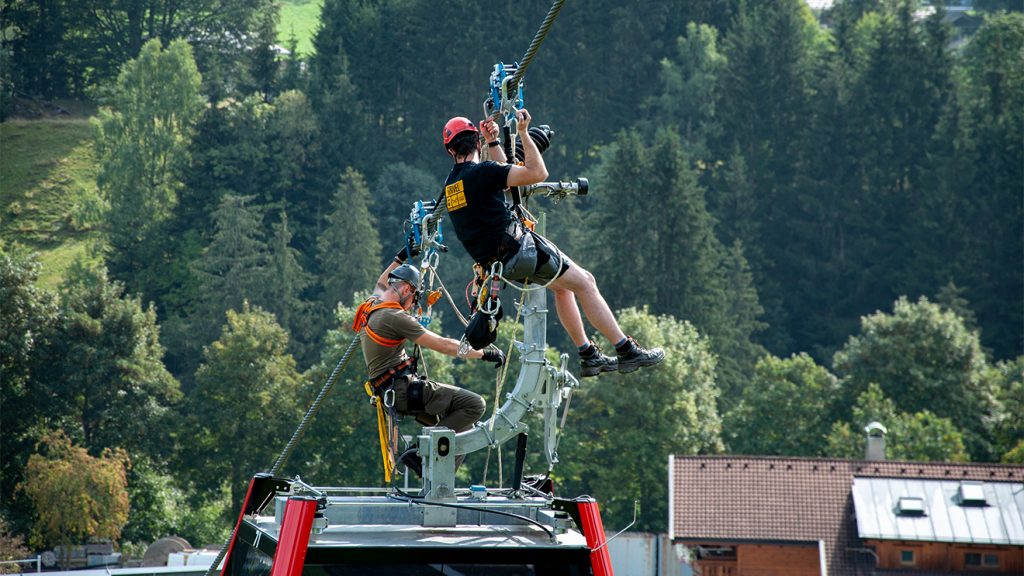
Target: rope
{"points": [[447, 294], [286, 453]]}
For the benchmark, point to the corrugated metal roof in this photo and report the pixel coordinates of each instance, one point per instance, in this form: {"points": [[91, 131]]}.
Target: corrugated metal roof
{"points": [[945, 519]]}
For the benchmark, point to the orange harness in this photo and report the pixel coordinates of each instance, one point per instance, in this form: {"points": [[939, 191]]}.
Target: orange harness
{"points": [[387, 431], [363, 317]]}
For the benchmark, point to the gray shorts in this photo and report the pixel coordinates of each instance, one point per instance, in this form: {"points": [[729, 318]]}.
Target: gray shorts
{"points": [[537, 260]]}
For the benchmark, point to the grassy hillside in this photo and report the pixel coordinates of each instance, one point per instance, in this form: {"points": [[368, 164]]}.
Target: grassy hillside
{"points": [[299, 17], [47, 190]]}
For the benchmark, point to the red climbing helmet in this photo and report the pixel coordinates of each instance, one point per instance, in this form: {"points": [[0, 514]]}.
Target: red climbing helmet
{"points": [[456, 126]]}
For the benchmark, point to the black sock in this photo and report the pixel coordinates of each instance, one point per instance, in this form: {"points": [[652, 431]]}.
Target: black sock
{"points": [[588, 351], [626, 346]]}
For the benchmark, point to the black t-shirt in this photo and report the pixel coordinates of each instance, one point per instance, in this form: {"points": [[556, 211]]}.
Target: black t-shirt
{"points": [[474, 194]]}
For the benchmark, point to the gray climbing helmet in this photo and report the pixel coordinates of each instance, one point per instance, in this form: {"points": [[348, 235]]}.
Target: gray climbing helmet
{"points": [[407, 273]]}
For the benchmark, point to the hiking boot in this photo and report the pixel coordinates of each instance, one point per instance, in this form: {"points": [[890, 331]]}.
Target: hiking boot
{"points": [[596, 363], [633, 356], [412, 461]]}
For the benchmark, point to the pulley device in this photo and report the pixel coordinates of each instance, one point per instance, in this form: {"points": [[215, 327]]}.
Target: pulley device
{"points": [[426, 228], [426, 238], [506, 96], [506, 93]]}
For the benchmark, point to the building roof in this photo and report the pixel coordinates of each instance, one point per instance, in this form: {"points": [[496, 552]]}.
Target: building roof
{"points": [[767, 499], [944, 515]]}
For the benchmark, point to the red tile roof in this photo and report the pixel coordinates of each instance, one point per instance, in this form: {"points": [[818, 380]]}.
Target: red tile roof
{"points": [[768, 499]]}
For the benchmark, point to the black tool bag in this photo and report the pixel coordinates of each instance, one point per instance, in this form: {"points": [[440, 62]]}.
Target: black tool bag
{"points": [[482, 329]]}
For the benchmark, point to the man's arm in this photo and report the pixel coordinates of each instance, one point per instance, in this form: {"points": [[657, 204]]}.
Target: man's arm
{"points": [[444, 345], [400, 258], [490, 132], [451, 347], [382, 282], [533, 169]]}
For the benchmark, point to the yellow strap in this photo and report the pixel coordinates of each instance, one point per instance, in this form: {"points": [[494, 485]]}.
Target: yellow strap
{"points": [[386, 458]]}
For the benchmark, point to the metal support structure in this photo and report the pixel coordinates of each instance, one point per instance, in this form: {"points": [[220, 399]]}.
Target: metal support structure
{"points": [[535, 389], [435, 447]]}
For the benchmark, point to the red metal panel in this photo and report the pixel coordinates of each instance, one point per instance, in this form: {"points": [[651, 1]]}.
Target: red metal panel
{"points": [[234, 535], [296, 527], [593, 530]]}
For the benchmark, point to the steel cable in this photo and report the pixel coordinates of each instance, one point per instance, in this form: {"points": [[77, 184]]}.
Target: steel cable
{"points": [[538, 39], [286, 453]]}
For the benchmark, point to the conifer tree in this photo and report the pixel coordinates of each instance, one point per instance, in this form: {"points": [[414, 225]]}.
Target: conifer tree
{"points": [[396, 189], [293, 77], [993, 95], [349, 251], [686, 253], [735, 342], [732, 202], [291, 166], [622, 182], [689, 89], [334, 94], [262, 57], [286, 281], [232, 269], [764, 109]]}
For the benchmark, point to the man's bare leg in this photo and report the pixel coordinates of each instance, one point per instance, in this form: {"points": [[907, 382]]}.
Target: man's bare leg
{"points": [[579, 284]]}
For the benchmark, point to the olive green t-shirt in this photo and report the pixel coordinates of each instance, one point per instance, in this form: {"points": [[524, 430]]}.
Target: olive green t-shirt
{"points": [[392, 324]]}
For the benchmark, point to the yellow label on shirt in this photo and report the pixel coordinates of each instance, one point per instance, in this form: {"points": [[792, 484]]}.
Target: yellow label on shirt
{"points": [[455, 196]]}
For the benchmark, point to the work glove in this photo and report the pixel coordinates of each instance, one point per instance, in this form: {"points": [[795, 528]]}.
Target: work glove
{"points": [[408, 250], [496, 356]]}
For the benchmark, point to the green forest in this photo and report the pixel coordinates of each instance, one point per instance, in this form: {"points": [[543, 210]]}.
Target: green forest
{"points": [[819, 215]]}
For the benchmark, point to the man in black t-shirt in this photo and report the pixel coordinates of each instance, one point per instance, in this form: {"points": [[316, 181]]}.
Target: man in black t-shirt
{"points": [[475, 197]]}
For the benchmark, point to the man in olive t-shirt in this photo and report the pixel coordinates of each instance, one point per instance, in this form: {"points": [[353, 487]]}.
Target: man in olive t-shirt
{"points": [[385, 325]]}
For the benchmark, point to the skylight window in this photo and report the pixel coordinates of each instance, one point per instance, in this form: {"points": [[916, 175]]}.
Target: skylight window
{"points": [[910, 506], [972, 494]]}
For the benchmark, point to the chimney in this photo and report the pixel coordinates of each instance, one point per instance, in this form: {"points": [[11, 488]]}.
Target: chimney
{"points": [[876, 441]]}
